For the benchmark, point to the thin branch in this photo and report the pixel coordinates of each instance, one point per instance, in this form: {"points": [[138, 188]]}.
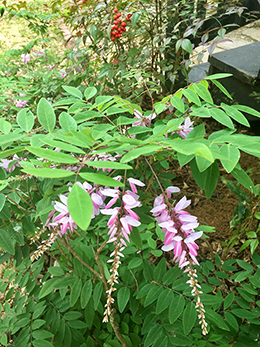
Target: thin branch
{"points": [[81, 260], [25, 201], [116, 328], [19, 206], [65, 256]]}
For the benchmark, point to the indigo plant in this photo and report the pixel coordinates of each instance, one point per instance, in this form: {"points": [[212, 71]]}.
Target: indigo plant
{"points": [[88, 208]]}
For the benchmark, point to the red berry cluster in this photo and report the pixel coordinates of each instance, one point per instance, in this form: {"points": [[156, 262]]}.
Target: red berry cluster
{"points": [[119, 26]]}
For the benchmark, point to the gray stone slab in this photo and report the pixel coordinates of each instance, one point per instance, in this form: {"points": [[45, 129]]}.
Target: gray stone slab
{"points": [[243, 62], [198, 72]]}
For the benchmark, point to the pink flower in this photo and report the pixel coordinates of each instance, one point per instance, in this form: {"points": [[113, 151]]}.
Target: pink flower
{"points": [[62, 74], [143, 120], [16, 162], [133, 183], [122, 219], [21, 103], [25, 58], [178, 226], [63, 219], [185, 128]]}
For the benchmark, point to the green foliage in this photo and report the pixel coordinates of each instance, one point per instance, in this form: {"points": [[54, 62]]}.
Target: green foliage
{"points": [[78, 128]]}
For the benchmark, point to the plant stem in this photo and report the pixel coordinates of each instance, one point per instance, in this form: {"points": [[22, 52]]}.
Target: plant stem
{"points": [[81, 260], [116, 328], [63, 252]]}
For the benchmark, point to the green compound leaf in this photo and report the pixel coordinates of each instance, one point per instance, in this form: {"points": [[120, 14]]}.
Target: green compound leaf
{"points": [[191, 96], [90, 92], [75, 291], [25, 119], [80, 206], [51, 155], [62, 145], [163, 300], [97, 294], [123, 297], [108, 165], [46, 115], [189, 318], [73, 91], [221, 117], [67, 122], [235, 114], [178, 104], [242, 177], [232, 155], [176, 308], [2, 201], [207, 179], [48, 287], [49, 173], [86, 294], [135, 153], [6, 243], [203, 92], [100, 179], [217, 76]]}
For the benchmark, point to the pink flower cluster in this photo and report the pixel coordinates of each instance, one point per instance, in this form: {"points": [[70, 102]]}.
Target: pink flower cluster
{"points": [[64, 220], [25, 58], [144, 121], [104, 157], [122, 218], [16, 162], [185, 128], [178, 227], [21, 103], [120, 225]]}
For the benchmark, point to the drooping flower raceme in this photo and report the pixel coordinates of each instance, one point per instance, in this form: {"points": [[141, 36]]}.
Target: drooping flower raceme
{"points": [[178, 227], [21, 103], [5, 163], [120, 225], [64, 219], [143, 120], [25, 58], [185, 128]]}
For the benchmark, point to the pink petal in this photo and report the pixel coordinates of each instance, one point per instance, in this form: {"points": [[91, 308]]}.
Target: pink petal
{"points": [[132, 221], [194, 236], [136, 182], [168, 247], [158, 208], [96, 199], [183, 203], [112, 202]]}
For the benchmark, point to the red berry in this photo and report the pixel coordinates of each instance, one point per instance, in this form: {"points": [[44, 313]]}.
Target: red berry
{"points": [[115, 10], [115, 27], [113, 38], [124, 29], [116, 22], [123, 24], [119, 35], [119, 20], [118, 15], [115, 16]]}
